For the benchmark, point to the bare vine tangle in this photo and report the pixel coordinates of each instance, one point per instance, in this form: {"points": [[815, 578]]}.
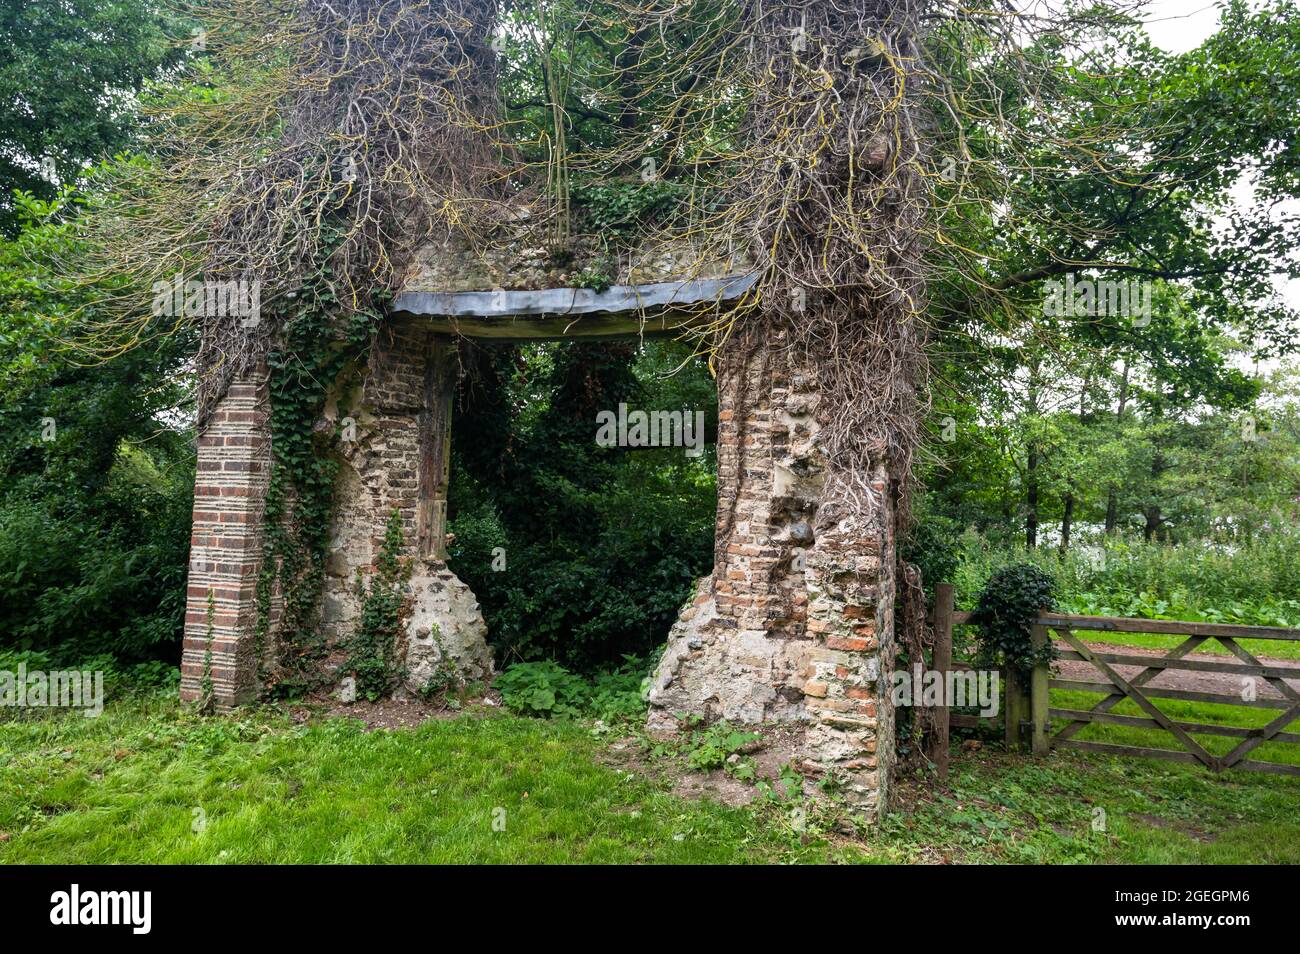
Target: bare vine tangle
{"points": [[333, 138]]}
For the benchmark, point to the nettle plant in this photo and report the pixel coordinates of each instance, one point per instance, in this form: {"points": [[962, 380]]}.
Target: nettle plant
{"points": [[545, 689], [1008, 605]]}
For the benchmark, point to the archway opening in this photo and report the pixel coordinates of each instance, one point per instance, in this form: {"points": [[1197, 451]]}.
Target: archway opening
{"points": [[582, 538]]}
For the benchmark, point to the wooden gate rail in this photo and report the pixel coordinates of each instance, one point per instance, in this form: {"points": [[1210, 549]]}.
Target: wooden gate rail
{"points": [[1117, 688], [1029, 715]]}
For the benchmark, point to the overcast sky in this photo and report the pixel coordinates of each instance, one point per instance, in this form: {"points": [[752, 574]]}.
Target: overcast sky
{"points": [[1180, 25]]}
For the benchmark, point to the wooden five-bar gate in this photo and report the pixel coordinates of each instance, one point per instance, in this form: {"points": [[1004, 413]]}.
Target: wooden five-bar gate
{"points": [[1030, 719]]}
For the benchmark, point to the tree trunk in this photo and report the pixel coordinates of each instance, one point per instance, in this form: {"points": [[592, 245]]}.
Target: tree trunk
{"points": [[1031, 466], [1031, 498], [1067, 519], [1151, 530], [1112, 496]]}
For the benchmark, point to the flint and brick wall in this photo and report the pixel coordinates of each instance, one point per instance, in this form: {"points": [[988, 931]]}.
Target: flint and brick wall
{"points": [[850, 621], [795, 625], [395, 424], [394, 457]]}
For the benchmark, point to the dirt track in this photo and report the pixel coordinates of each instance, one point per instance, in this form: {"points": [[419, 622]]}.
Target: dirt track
{"points": [[1218, 682]]}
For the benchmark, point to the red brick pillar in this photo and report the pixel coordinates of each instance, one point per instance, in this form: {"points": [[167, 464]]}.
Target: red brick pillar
{"points": [[234, 451]]}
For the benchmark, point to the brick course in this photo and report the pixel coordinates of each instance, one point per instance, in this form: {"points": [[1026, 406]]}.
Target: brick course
{"points": [[234, 455]]}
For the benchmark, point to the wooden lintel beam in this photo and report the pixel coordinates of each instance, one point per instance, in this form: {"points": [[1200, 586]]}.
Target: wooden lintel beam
{"points": [[594, 326]]}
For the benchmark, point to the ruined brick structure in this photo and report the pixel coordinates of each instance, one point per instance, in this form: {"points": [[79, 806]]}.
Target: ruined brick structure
{"points": [[795, 625], [394, 456]]}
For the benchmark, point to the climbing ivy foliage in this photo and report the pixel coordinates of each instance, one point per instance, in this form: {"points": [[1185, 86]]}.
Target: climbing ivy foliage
{"points": [[1008, 605], [619, 209], [374, 649], [322, 342], [207, 697]]}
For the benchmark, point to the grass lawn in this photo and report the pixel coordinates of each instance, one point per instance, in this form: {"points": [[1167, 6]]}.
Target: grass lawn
{"points": [[150, 782], [1287, 753], [1077, 808]]}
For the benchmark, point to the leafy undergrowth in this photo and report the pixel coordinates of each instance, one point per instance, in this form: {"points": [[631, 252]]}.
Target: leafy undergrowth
{"points": [[1277, 613], [1260, 648], [1075, 808], [151, 782], [1187, 607], [546, 689]]}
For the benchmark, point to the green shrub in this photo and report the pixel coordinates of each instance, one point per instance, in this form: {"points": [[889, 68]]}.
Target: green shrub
{"points": [[930, 544], [84, 573], [96, 464], [620, 694], [1007, 608], [120, 680]]}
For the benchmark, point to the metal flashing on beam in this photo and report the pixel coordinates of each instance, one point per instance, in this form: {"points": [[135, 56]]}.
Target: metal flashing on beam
{"points": [[573, 302]]}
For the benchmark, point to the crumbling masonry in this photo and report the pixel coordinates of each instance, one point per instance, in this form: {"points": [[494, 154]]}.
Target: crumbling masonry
{"points": [[795, 624]]}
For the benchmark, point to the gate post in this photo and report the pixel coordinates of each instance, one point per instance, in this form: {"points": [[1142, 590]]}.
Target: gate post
{"points": [[1039, 686], [1014, 707], [942, 662]]}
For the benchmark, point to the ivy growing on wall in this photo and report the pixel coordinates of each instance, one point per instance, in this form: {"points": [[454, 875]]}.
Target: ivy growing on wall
{"points": [[207, 695], [374, 649], [322, 340]]}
